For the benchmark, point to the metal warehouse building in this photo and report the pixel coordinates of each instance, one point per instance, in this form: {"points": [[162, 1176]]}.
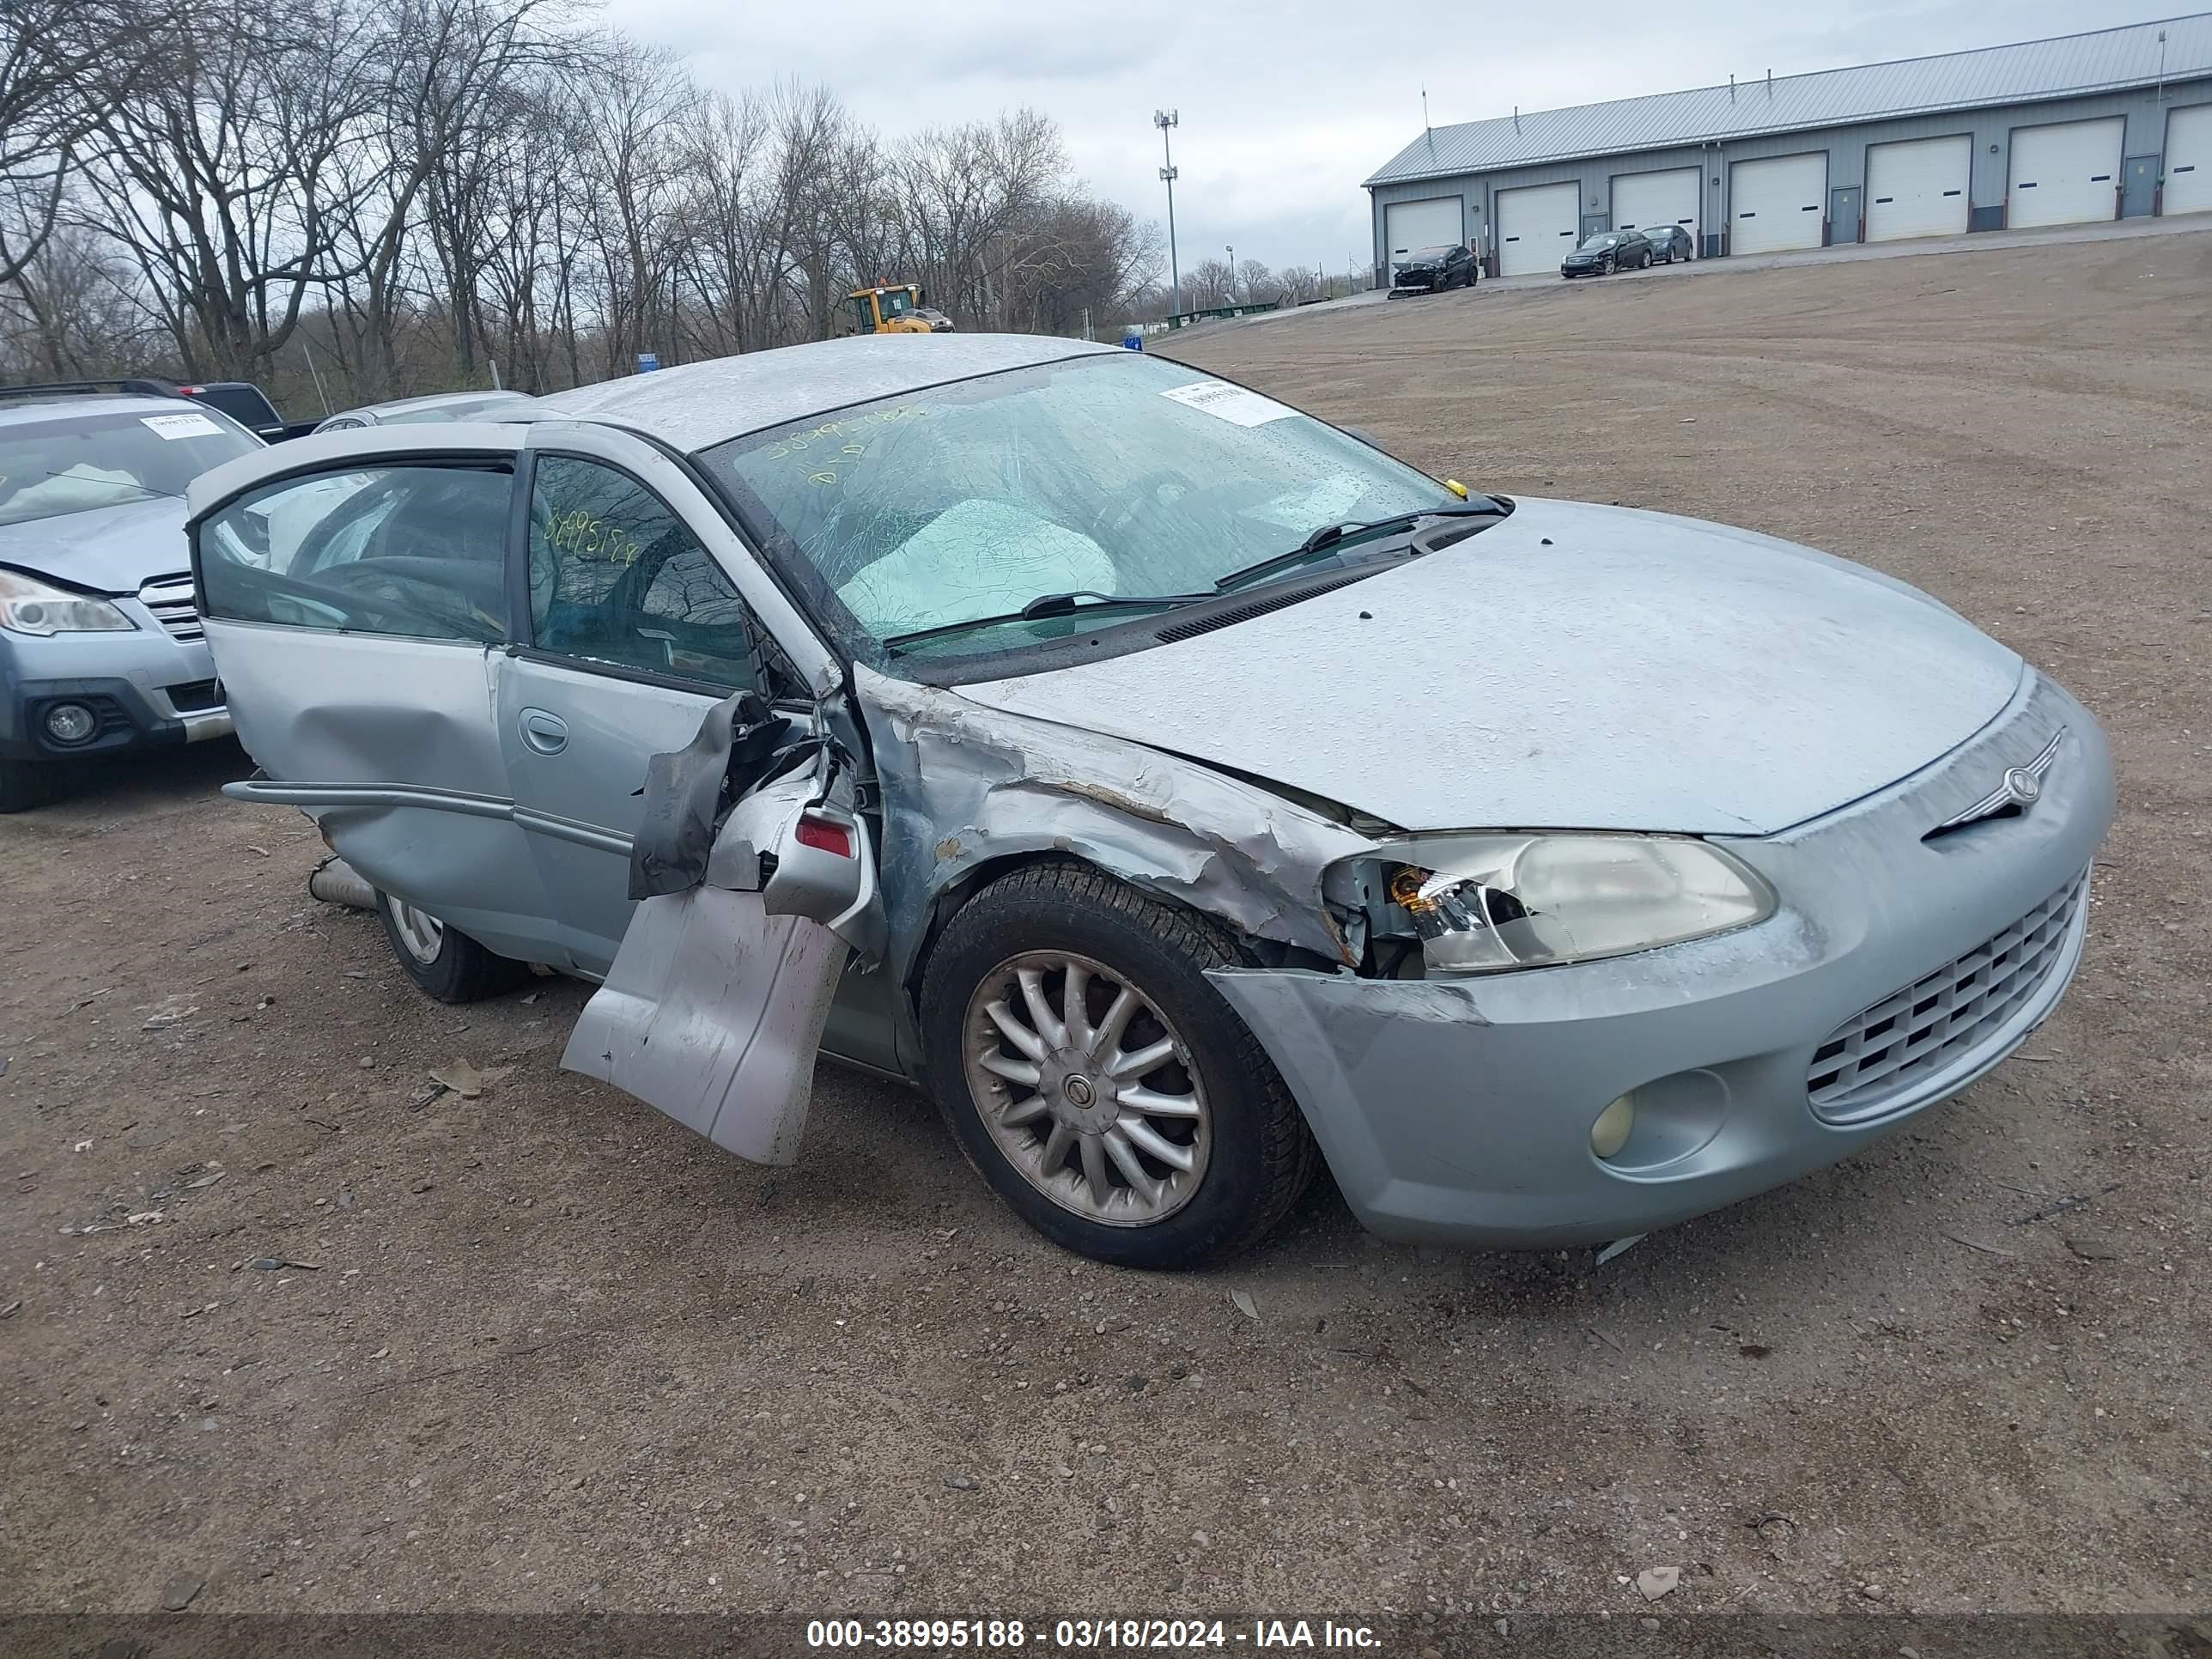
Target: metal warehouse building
{"points": [[2088, 127]]}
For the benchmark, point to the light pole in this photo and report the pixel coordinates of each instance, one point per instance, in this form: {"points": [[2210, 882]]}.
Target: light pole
{"points": [[1232, 275], [1164, 118]]}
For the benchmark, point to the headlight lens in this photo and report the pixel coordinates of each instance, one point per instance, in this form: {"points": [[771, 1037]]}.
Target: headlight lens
{"points": [[33, 607], [1483, 903]]}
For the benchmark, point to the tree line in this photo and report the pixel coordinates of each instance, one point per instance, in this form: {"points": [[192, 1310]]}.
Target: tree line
{"points": [[346, 200]]}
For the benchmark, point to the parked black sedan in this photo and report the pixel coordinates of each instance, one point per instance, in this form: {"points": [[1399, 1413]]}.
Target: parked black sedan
{"points": [[1451, 266], [1607, 252], [1669, 243]]}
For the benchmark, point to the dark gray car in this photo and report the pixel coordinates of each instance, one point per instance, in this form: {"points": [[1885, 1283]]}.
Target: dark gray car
{"points": [[1429, 270], [1606, 252]]}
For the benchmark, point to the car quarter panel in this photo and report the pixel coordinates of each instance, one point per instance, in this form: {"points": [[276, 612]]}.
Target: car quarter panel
{"points": [[1461, 1109], [966, 786]]}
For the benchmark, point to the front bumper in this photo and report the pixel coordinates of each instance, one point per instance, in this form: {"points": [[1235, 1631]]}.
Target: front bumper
{"points": [[146, 689], [1458, 1111]]}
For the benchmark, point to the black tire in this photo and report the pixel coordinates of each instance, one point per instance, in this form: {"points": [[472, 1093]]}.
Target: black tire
{"points": [[461, 970], [26, 783], [1261, 1156]]}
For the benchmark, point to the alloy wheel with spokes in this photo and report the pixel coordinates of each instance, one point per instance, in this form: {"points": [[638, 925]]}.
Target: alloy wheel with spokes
{"points": [[420, 933], [1087, 1088]]}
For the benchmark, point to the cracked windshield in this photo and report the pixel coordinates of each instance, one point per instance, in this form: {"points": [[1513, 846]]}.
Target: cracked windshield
{"points": [[1119, 475]]}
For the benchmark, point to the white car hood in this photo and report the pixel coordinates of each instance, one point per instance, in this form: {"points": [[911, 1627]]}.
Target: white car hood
{"points": [[1572, 667]]}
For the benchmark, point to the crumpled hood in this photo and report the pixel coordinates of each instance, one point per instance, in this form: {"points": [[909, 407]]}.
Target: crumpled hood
{"points": [[1573, 667], [112, 549]]}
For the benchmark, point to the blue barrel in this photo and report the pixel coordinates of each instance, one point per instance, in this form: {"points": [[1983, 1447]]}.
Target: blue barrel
{"points": [[1133, 337]]}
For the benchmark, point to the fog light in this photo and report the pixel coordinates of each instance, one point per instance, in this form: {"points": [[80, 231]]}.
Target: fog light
{"points": [[1610, 1133], [70, 722]]}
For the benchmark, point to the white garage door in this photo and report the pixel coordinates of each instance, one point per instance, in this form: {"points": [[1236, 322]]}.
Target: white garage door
{"points": [[1409, 227], [1917, 189], [2065, 174], [1644, 200], [2188, 160], [1536, 228], [1778, 203]]}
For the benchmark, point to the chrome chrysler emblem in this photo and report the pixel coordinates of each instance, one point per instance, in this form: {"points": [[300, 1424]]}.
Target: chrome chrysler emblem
{"points": [[2022, 786]]}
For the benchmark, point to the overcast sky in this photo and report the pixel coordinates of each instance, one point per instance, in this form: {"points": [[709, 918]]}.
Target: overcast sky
{"points": [[1287, 105]]}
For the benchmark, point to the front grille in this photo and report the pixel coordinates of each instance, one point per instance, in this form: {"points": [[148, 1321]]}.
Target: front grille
{"points": [[174, 606], [1872, 1060]]}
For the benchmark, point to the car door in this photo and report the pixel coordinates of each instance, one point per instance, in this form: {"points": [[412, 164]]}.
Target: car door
{"points": [[633, 633], [355, 603], [640, 611]]}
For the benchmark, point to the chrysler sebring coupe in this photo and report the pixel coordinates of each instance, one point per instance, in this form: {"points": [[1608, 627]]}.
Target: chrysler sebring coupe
{"points": [[1182, 791]]}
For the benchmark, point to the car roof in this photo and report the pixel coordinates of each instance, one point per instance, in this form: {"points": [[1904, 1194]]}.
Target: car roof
{"points": [[429, 400], [22, 411], [696, 405]]}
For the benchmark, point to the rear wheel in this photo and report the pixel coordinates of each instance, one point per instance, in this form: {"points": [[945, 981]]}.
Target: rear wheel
{"points": [[26, 783], [443, 961], [1099, 1082]]}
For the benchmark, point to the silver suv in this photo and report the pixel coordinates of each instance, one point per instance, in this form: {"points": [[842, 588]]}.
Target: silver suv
{"points": [[101, 644]]}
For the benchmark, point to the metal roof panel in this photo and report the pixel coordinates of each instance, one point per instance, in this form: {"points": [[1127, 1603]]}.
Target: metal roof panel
{"points": [[2064, 67]]}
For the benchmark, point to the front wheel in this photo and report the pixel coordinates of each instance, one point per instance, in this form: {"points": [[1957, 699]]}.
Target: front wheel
{"points": [[1099, 1082], [444, 962]]}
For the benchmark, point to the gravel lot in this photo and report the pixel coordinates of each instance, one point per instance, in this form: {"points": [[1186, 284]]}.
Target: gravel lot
{"points": [[542, 1350]]}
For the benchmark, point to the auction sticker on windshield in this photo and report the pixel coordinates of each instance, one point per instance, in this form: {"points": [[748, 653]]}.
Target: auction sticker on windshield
{"points": [[1229, 403], [180, 426]]}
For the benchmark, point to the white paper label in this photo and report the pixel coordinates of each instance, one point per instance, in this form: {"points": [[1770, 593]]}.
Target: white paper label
{"points": [[180, 426], [1232, 403]]}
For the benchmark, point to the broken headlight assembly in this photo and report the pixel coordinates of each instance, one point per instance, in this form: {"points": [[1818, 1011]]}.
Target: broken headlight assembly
{"points": [[1483, 904]]}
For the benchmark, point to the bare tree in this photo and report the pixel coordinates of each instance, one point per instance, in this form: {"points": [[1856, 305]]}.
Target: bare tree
{"points": [[410, 186], [217, 176], [444, 64], [53, 53], [1210, 284]]}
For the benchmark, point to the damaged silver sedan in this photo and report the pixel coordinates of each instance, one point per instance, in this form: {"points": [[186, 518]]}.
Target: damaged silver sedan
{"points": [[1184, 793]]}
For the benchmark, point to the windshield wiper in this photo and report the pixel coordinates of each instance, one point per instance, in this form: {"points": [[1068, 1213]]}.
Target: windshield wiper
{"points": [[1328, 537], [1051, 604], [70, 475]]}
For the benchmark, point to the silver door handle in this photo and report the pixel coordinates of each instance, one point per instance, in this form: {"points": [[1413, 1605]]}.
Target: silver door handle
{"points": [[546, 733]]}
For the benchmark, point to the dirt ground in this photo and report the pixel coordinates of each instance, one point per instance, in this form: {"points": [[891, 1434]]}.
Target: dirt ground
{"points": [[543, 1350]]}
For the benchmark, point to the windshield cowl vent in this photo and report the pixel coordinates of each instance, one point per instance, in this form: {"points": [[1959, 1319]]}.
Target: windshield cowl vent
{"points": [[1258, 607]]}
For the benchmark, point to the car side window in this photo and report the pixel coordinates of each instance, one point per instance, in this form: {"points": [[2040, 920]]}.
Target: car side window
{"points": [[415, 551], [617, 577]]}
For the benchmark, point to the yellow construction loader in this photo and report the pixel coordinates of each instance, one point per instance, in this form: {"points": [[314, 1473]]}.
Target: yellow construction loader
{"points": [[896, 308]]}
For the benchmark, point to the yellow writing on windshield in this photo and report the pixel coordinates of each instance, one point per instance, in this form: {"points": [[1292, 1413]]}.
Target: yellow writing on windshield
{"points": [[831, 450]]}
